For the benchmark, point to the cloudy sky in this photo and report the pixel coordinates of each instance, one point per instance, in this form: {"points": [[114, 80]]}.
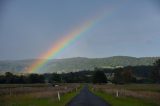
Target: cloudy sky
{"points": [[29, 28]]}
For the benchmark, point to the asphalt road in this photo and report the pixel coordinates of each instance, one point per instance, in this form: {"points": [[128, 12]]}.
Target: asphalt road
{"points": [[86, 98]]}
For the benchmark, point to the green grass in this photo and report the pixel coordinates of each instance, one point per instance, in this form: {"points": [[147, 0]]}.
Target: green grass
{"points": [[65, 99], [124, 101], [30, 101], [27, 100]]}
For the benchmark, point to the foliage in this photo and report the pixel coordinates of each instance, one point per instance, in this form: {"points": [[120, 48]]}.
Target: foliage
{"points": [[155, 74], [35, 78], [55, 78], [10, 78], [99, 77], [123, 76]]}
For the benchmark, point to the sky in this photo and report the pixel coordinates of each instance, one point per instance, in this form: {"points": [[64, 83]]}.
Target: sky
{"points": [[28, 28]]}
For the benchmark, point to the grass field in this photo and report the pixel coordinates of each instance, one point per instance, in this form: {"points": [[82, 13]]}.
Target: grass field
{"points": [[129, 95], [38, 96]]}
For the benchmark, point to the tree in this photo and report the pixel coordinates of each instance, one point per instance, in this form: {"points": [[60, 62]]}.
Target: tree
{"points": [[99, 77], [9, 77], [155, 74], [2, 79], [35, 78], [127, 76], [117, 76], [123, 75], [55, 78]]}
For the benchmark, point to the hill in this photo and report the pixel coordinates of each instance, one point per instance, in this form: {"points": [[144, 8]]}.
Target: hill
{"points": [[77, 63]]}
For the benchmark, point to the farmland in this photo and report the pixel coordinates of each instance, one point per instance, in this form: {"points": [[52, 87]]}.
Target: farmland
{"points": [[129, 94], [37, 94], [47, 94]]}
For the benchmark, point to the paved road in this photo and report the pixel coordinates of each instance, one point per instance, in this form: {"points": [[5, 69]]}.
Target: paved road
{"points": [[86, 98]]}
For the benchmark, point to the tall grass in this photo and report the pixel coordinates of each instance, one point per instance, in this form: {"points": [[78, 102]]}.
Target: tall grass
{"points": [[36, 96], [134, 92]]}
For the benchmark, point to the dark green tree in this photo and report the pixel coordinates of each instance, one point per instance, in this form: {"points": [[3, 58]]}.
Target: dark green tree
{"points": [[155, 74], [35, 78], [55, 78], [117, 76], [123, 76], [127, 76], [2, 79], [9, 77], [99, 77]]}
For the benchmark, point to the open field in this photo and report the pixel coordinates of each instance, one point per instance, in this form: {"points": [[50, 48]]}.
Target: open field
{"points": [[129, 95], [37, 94], [22, 85]]}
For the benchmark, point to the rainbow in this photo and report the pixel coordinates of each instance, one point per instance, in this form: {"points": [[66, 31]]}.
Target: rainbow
{"points": [[60, 45], [64, 42]]}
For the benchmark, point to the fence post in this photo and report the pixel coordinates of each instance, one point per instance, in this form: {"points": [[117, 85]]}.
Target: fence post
{"points": [[117, 93], [59, 97]]}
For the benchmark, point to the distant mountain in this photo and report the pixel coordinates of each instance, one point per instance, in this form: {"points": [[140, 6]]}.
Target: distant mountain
{"points": [[77, 64]]}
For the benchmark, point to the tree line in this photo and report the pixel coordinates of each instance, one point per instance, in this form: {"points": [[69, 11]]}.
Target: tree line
{"points": [[10, 78], [138, 74], [130, 74]]}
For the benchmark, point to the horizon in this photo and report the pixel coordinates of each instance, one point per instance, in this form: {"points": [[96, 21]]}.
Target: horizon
{"points": [[78, 57]]}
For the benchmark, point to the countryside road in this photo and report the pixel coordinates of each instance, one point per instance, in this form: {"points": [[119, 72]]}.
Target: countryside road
{"points": [[86, 98]]}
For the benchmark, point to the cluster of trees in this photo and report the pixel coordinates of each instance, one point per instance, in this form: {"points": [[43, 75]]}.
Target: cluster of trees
{"points": [[122, 76], [73, 77], [155, 75], [129, 74], [10, 78], [136, 74], [99, 77]]}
